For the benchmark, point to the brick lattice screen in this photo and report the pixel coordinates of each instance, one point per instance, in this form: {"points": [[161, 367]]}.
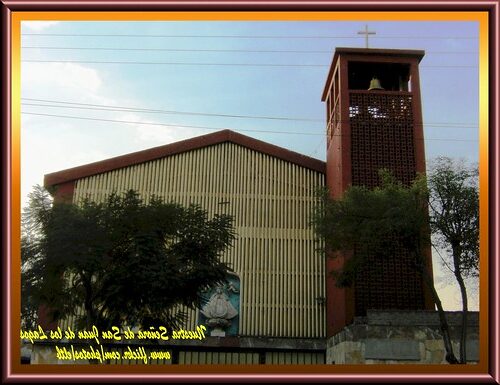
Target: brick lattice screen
{"points": [[382, 137]]}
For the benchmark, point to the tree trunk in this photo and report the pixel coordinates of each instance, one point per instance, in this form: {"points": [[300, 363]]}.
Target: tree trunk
{"points": [[90, 312], [463, 292], [89, 308], [463, 336], [443, 323]]}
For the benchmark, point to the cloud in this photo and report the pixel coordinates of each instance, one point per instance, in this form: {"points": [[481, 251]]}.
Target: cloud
{"points": [[51, 143], [44, 150], [157, 135], [38, 25], [67, 78]]}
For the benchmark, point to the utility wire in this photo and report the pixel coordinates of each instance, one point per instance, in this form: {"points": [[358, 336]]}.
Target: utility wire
{"points": [[147, 110], [214, 50], [103, 107], [323, 141], [209, 64], [177, 63], [442, 259], [168, 125], [217, 128], [177, 49], [251, 36]]}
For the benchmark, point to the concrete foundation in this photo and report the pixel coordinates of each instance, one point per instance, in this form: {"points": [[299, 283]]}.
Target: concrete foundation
{"points": [[401, 337]]}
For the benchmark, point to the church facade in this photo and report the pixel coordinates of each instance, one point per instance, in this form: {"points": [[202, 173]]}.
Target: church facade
{"points": [[278, 287]]}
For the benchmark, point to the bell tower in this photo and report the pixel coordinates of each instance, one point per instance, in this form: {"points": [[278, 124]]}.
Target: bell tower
{"points": [[374, 121]]}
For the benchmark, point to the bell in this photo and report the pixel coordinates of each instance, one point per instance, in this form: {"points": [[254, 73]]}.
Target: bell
{"points": [[375, 84]]}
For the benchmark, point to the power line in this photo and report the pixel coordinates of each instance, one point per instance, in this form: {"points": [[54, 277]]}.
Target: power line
{"points": [[177, 63], [104, 107], [452, 52], [177, 49], [442, 259], [250, 36], [168, 125], [214, 50], [209, 64], [159, 111], [193, 36], [323, 141], [215, 128]]}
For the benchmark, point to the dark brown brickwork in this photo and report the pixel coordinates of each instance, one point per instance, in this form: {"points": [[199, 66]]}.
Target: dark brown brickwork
{"points": [[389, 283], [381, 136]]}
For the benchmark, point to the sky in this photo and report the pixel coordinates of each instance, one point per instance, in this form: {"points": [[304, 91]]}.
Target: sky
{"points": [[167, 81]]}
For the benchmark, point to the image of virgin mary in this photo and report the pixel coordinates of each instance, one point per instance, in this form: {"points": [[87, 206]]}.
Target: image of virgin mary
{"points": [[219, 308]]}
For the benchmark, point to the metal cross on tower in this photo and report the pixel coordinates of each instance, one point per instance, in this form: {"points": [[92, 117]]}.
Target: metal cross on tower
{"points": [[366, 33]]}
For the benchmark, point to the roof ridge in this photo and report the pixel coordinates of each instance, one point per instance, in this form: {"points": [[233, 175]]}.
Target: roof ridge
{"points": [[133, 158]]}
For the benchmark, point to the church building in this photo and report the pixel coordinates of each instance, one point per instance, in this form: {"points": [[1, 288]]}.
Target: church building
{"points": [[278, 289], [282, 304]]}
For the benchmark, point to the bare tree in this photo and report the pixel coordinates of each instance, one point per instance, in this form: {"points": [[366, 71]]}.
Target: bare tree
{"points": [[454, 211]]}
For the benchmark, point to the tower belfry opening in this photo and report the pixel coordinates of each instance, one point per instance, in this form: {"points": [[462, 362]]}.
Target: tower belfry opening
{"points": [[392, 76]]}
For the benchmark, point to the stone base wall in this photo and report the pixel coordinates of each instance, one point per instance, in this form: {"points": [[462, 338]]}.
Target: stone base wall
{"points": [[398, 337]]}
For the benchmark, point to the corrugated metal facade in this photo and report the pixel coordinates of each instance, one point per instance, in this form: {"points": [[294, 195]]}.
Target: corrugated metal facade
{"points": [[218, 358], [271, 199], [270, 358]]}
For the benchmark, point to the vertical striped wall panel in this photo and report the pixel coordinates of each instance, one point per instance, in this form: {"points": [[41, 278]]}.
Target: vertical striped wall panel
{"points": [[272, 358], [274, 254], [297, 358], [215, 357]]}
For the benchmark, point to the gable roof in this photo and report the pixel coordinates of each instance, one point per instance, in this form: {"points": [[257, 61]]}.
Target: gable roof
{"points": [[133, 158]]}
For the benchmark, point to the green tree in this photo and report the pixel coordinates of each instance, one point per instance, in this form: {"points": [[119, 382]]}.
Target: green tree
{"points": [[39, 202], [371, 223], [123, 260], [454, 211]]}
